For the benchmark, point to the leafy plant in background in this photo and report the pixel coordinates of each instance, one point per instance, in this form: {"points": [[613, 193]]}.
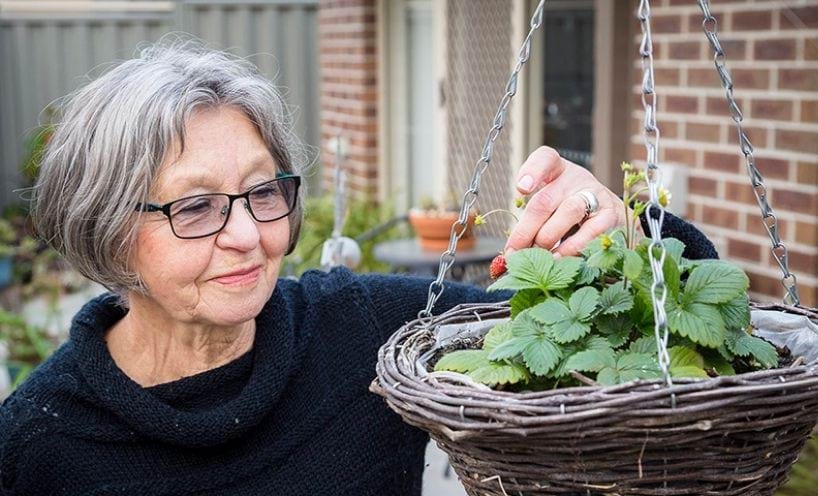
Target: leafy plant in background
{"points": [[362, 217], [35, 146], [804, 476], [593, 314], [27, 345]]}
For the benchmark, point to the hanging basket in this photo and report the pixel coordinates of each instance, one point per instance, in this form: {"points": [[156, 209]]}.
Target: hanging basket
{"points": [[731, 435]]}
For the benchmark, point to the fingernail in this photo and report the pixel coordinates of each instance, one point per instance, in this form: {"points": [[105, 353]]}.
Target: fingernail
{"points": [[557, 255], [508, 251], [525, 183]]}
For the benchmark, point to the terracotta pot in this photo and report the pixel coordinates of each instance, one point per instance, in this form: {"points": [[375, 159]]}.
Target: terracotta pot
{"points": [[433, 229]]}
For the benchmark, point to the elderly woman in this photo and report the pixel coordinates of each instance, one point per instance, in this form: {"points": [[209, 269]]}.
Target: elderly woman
{"points": [[173, 181]]}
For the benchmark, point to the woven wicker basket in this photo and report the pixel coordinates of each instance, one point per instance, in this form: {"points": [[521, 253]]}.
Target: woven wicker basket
{"points": [[734, 435]]}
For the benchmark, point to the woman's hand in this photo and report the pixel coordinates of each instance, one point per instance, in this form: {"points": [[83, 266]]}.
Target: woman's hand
{"points": [[557, 205]]}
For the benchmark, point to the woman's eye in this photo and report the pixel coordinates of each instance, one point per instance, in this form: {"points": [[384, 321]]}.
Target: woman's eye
{"points": [[194, 207], [266, 191]]}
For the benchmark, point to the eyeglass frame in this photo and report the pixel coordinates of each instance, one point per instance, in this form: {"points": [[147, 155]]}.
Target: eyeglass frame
{"points": [[165, 208]]}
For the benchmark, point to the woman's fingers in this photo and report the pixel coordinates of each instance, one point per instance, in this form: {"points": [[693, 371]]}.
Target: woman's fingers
{"points": [[543, 166], [570, 213], [588, 230]]}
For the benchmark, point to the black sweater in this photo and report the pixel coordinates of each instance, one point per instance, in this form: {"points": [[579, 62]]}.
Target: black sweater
{"points": [[291, 417]]}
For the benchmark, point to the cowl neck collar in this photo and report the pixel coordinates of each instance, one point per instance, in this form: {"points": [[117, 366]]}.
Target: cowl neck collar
{"points": [[155, 412]]}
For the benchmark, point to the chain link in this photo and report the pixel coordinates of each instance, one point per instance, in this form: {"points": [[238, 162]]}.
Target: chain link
{"points": [[447, 259], [655, 213], [779, 251]]}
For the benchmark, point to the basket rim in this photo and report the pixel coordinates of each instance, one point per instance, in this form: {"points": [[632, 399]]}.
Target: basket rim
{"points": [[779, 379]]}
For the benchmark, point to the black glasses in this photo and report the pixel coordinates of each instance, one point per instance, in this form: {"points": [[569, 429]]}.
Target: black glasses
{"points": [[200, 216]]}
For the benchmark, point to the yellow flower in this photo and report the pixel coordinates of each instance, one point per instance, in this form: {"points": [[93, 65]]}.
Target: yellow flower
{"points": [[519, 202], [606, 241], [479, 220], [664, 197], [626, 166]]}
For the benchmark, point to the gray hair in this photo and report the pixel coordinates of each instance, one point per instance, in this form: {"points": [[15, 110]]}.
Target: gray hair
{"points": [[116, 131]]}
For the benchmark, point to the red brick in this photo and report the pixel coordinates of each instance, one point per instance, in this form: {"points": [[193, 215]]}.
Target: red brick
{"points": [[811, 49], [637, 152], [779, 110], [666, 77], [726, 162], [809, 111], [752, 20], [740, 192], [805, 263], [718, 105], [665, 24], [756, 226], [768, 286], [798, 79], [799, 17], [795, 201], [703, 77], [806, 233], [694, 22], [733, 49], [685, 50], [722, 217], [745, 250], [750, 78], [679, 155], [807, 173], [799, 141], [773, 168], [702, 186], [707, 133], [774, 49], [757, 136], [681, 104], [668, 129]]}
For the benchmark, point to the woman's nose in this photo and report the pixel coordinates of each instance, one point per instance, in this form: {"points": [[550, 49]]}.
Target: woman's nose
{"points": [[241, 231]]}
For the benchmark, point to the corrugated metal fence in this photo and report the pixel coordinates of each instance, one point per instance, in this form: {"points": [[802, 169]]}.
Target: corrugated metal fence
{"points": [[46, 53]]}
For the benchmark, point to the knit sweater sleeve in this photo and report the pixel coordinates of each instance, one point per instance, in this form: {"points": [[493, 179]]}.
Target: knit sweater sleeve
{"points": [[697, 246]]}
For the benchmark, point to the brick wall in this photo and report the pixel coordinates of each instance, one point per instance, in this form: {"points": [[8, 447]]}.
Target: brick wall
{"points": [[348, 68], [772, 53]]}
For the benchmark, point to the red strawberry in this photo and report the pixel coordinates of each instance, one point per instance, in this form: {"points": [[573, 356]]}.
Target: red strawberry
{"points": [[497, 267]]}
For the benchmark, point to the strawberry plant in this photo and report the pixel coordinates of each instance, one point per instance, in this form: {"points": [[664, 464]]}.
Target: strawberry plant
{"points": [[590, 317]]}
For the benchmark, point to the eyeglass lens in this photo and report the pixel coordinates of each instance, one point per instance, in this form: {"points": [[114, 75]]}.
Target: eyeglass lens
{"points": [[207, 214]]}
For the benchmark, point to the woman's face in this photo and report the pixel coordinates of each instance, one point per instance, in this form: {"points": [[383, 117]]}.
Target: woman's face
{"points": [[224, 279]]}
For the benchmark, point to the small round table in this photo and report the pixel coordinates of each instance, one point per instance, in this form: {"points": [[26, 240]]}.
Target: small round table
{"points": [[407, 255]]}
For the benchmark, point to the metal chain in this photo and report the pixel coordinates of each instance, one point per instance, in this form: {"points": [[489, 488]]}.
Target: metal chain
{"points": [[779, 251], [655, 213], [339, 197], [470, 197]]}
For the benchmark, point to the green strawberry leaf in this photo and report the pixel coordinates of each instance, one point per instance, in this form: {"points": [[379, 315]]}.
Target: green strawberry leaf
{"points": [[511, 282], [686, 362], [526, 326], [746, 345], [510, 349], [498, 373], [615, 328], [525, 298], [736, 312], [630, 367], [615, 299], [644, 345], [563, 272], [715, 282], [497, 336], [587, 274], [701, 323], [583, 303], [541, 355], [632, 265], [591, 360], [463, 361]]}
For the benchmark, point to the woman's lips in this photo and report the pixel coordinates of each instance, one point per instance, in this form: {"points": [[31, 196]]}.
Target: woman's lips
{"points": [[239, 277]]}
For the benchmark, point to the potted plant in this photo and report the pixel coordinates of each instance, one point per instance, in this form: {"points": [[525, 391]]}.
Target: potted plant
{"points": [[432, 222], [26, 345], [561, 390]]}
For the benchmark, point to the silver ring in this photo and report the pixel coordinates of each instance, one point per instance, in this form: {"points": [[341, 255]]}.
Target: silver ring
{"points": [[591, 202]]}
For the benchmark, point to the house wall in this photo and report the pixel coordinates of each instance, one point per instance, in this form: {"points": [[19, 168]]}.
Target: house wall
{"points": [[349, 90], [772, 53]]}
